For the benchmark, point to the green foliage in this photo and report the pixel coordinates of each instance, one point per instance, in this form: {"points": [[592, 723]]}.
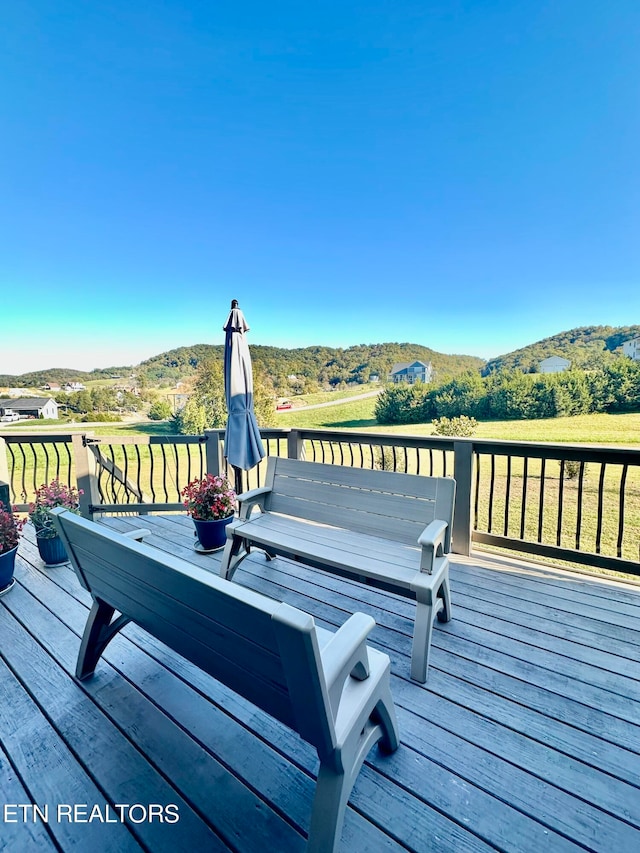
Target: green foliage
{"points": [[462, 426], [513, 395], [587, 348], [305, 370], [206, 407], [160, 410], [404, 404], [100, 417]]}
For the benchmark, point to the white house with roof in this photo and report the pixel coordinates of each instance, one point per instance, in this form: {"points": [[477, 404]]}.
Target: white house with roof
{"points": [[632, 349], [30, 407], [554, 364], [411, 372]]}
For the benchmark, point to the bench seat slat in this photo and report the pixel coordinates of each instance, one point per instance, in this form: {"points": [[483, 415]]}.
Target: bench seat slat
{"points": [[203, 616], [251, 670], [363, 545], [389, 481], [333, 548], [396, 529], [416, 509]]}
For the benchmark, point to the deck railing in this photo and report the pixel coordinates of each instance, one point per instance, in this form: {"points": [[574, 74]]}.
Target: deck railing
{"points": [[574, 503]]}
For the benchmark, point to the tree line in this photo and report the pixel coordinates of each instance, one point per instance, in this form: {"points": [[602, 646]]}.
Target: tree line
{"points": [[514, 395], [308, 369]]}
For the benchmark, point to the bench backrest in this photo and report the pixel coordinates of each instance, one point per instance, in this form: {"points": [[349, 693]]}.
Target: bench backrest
{"points": [[266, 651], [380, 503]]}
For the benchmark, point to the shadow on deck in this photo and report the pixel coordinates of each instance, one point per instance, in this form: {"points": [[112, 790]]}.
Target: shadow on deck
{"points": [[525, 737]]}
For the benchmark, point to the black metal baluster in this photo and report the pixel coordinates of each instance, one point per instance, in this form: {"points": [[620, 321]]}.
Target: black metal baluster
{"points": [[176, 456], [164, 474], [523, 508], [560, 505], [541, 501], [152, 473], [623, 482], [492, 480], [476, 500], [579, 508], [507, 496], [603, 466]]}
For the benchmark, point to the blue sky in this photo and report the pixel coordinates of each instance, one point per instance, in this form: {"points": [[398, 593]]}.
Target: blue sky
{"points": [[462, 175]]}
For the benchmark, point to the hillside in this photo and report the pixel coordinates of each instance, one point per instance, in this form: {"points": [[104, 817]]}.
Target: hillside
{"points": [[311, 367], [308, 368], [587, 347], [60, 375]]}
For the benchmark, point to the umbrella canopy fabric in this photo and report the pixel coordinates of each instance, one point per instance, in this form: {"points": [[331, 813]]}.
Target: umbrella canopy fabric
{"points": [[242, 443]]}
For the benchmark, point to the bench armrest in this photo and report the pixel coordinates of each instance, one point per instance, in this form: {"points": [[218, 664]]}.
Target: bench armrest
{"points": [[138, 535], [248, 500], [346, 655], [432, 542]]}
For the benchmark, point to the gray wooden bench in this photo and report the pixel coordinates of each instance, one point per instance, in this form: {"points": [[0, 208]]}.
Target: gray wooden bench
{"points": [[388, 529], [330, 687]]}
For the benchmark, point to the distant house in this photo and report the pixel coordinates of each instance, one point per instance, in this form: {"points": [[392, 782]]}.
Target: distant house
{"points": [[52, 386], [411, 372], [30, 407], [632, 349], [72, 387], [554, 364]]}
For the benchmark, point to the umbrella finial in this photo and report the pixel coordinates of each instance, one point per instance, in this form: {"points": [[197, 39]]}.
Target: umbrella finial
{"points": [[234, 304]]}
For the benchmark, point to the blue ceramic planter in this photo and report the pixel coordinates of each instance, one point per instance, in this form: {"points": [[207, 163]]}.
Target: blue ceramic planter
{"points": [[7, 566], [212, 534], [52, 551]]}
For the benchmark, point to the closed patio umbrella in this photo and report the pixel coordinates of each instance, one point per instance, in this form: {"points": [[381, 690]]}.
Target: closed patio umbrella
{"points": [[242, 443]]}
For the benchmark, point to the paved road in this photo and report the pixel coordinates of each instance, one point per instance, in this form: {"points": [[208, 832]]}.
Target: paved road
{"points": [[335, 402]]}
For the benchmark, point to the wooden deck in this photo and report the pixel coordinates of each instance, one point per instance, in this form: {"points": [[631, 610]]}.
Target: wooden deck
{"points": [[526, 736]]}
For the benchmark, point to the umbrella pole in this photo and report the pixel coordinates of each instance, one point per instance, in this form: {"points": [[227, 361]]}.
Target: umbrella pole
{"points": [[237, 476]]}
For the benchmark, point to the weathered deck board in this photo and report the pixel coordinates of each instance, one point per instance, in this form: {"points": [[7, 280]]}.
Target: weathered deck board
{"points": [[525, 737]]}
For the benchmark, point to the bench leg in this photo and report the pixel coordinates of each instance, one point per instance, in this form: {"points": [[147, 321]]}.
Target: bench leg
{"points": [[235, 550], [98, 633], [433, 598], [329, 806], [444, 614], [333, 787], [422, 631]]}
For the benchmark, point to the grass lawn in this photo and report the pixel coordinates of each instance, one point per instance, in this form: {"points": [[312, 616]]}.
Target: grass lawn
{"points": [[598, 428]]}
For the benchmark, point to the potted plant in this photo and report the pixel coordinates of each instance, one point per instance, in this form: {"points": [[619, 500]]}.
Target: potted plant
{"points": [[211, 503], [10, 530], [47, 497]]}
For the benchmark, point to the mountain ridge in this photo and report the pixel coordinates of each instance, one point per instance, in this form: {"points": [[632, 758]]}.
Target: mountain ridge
{"points": [[585, 346]]}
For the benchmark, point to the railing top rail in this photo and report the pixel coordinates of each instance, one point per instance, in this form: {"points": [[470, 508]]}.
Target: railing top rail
{"points": [[149, 439], [556, 450], [553, 450], [36, 437]]}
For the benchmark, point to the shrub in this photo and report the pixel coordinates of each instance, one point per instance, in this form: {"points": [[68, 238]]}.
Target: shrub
{"points": [[572, 469], [461, 426], [160, 410]]}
